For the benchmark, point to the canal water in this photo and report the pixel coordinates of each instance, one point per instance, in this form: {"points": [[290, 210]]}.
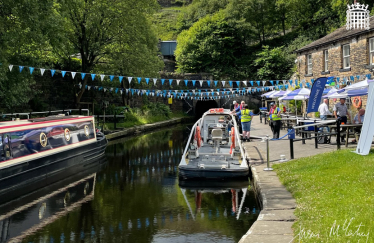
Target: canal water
{"points": [[134, 195]]}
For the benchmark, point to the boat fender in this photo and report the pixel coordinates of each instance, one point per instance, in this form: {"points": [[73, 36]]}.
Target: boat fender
{"points": [[232, 139], [198, 137]]}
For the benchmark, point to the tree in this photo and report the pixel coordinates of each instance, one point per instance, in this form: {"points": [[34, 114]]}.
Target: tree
{"points": [[111, 35], [213, 44], [272, 64]]}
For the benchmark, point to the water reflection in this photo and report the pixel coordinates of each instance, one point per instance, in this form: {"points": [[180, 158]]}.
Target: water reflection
{"points": [[36, 209], [137, 198]]}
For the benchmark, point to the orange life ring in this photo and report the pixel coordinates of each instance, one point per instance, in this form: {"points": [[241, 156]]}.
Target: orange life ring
{"points": [[357, 102], [198, 136], [232, 139]]}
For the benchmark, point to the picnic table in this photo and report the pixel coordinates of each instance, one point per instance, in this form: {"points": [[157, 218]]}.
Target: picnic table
{"points": [[347, 132]]}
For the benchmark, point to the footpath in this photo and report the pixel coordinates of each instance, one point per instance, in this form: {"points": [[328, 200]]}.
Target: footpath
{"points": [[277, 216]]}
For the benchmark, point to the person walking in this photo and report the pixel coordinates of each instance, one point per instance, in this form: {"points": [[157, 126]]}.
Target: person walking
{"points": [[246, 119], [275, 119], [341, 112]]}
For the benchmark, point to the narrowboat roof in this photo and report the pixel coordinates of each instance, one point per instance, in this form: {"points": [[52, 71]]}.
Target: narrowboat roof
{"points": [[38, 120]]}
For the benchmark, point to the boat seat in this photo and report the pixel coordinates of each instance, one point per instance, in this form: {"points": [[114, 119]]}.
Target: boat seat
{"points": [[217, 136]]}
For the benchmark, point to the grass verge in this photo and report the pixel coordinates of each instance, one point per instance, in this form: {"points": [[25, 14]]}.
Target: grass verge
{"points": [[334, 194]]}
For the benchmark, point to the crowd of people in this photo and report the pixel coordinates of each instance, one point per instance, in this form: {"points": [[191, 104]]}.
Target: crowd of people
{"points": [[244, 117]]}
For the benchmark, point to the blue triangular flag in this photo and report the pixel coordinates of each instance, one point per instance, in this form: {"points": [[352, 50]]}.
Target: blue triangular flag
{"points": [[185, 82], [215, 83], [93, 76], [53, 72], [290, 82], [111, 78], [20, 68], [193, 82], [208, 82], [230, 82], [63, 73], [272, 82], [251, 83], [82, 75], [238, 83], [162, 81], [147, 80], [139, 79], [31, 69], [258, 83], [120, 79], [277, 82], [170, 81]]}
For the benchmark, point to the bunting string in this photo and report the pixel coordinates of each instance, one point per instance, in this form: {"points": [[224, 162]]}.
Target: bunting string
{"points": [[253, 85]]}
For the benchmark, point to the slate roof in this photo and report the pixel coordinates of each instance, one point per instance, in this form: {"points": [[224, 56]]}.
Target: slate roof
{"points": [[339, 34]]}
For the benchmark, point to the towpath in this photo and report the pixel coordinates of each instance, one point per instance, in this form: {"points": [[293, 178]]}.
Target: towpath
{"points": [[277, 216]]}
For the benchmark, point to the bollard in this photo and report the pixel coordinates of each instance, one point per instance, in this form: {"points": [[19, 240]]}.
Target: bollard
{"points": [[267, 154], [261, 117], [265, 119], [338, 133], [291, 149], [315, 137]]}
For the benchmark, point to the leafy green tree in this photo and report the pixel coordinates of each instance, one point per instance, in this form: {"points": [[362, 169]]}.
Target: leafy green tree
{"points": [[197, 10], [110, 35], [272, 64], [213, 44]]}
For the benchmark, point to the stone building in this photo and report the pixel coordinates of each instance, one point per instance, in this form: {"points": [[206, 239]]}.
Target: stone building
{"points": [[342, 53]]}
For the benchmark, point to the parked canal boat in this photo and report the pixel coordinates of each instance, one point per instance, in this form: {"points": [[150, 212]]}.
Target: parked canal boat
{"points": [[33, 149], [214, 149]]}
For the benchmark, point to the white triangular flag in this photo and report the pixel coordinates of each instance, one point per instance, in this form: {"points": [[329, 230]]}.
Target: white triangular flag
{"points": [[10, 67], [104, 89], [193, 91], [223, 83], [263, 83], [154, 81], [102, 77], [284, 81], [178, 80], [73, 74], [120, 91], [201, 83], [42, 71], [130, 78], [245, 82], [89, 87]]}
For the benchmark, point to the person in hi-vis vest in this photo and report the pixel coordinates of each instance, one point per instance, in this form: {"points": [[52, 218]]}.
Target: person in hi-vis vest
{"points": [[275, 119], [246, 116]]}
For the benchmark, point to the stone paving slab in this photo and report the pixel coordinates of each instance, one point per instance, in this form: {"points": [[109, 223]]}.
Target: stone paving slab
{"points": [[277, 215]]}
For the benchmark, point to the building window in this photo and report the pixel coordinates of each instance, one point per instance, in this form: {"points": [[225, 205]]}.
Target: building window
{"points": [[346, 56], [371, 51], [326, 60], [309, 64]]}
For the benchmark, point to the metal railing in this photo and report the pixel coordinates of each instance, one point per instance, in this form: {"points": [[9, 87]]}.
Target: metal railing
{"points": [[304, 133]]}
